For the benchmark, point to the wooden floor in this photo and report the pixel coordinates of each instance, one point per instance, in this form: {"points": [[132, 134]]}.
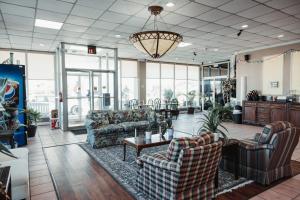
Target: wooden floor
{"points": [[77, 176]]}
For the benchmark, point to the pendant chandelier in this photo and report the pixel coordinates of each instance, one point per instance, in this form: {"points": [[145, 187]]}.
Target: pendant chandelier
{"points": [[155, 43]]}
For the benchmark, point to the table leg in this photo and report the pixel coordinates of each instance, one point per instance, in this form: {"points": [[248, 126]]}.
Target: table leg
{"points": [[236, 165], [138, 152], [124, 151]]}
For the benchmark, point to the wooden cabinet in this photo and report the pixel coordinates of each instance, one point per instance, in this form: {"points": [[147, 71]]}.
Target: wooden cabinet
{"points": [[294, 115], [264, 112], [249, 112]]}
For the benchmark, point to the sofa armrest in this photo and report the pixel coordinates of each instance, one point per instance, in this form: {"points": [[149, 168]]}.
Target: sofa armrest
{"points": [[257, 136], [254, 146], [158, 161]]}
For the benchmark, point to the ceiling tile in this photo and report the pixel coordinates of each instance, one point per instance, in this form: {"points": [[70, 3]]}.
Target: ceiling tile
{"points": [[293, 10], [114, 17], [69, 33], [19, 33], [75, 28], [194, 33], [135, 21], [127, 29], [297, 31], [51, 16], [210, 27], [105, 25], [237, 5], [260, 28], [270, 32], [284, 22], [44, 36], [79, 20], [225, 31], [54, 5], [193, 9], [213, 15], [100, 4], [97, 31], [91, 37], [193, 23], [45, 30], [178, 4], [255, 11], [13, 19], [175, 19], [208, 36], [231, 20], [212, 3], [17, 10], [179, 29], [270, 17], [126, 7], [280, 4], [88, 12], [292, 27], [250, 24], [27, 3], [20, 40]]}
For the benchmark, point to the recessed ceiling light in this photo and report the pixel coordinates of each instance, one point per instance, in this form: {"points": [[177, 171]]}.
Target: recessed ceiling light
{"points": [[118, 36], [209, 62], [184, 44], [280, 36], [170, 4], [245, 26], [42, 45], [48, 24], [216, 49]]}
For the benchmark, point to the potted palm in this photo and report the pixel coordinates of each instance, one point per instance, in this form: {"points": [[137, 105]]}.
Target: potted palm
{"points": [[190, 101], [32, 117], [212, 121]]}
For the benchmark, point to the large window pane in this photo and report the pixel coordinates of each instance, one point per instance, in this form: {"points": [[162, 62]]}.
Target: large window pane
{"points": [[19, 57], [180, 91], [152, 89], [193, 73], [180, 72], [129, 68], [167, 88], [167, 71], [152, 70], [83, 62], [194, 86], [40, 66]]}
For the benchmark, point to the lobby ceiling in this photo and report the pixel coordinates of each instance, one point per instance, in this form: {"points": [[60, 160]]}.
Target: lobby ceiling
{"points": [[210, 26]]}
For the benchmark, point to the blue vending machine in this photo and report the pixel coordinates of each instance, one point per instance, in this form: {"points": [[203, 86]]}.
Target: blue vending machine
{"points": [[13, 96]]}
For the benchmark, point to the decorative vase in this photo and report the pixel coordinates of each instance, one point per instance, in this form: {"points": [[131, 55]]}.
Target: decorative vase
{"points": [[148, 135], [216, 137], [170, 132]]}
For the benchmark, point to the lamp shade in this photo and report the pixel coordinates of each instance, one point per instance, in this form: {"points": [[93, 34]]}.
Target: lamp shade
{"points": [[155, 43]]}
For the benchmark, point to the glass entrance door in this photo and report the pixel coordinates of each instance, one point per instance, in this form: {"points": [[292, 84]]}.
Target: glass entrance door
{"points": [[103, 91], [79, 97], [88, 90]]}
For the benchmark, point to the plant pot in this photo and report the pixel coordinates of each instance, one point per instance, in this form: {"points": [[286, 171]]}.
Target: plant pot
{"points": [[170, 133], [148, 135], [216, 137], [190, 110], [31, 130]]}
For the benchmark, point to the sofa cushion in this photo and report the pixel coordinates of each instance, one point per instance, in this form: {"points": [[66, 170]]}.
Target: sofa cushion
{"points": [[19, 173], [110, 128], [177, 145], [130, 126], [270, 129]]}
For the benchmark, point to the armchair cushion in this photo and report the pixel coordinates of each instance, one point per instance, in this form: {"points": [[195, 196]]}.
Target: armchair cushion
{"points": [[159, 160], [177, 145], [270, 129], [206, 138]]}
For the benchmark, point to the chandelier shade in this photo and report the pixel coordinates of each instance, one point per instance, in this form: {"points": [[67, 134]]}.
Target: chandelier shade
{"points": [[155, 43]]}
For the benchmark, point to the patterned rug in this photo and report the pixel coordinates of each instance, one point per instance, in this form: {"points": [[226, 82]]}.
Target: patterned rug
{"points": [[124, 172]]}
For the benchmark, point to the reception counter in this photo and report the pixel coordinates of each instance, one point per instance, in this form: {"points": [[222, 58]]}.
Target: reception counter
{"points": [[265, 112]]}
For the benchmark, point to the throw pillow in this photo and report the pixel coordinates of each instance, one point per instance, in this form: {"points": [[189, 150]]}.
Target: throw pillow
{"points": [[5, 154], [177, 145]]}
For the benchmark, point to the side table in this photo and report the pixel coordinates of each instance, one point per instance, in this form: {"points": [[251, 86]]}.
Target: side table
{"points": [[5, 183]]}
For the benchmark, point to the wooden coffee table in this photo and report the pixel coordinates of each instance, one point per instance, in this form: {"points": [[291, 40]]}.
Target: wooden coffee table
{"points": [[140, 142]]}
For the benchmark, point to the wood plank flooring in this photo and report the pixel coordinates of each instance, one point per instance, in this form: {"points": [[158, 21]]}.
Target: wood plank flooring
{"points": [[78, 176]]}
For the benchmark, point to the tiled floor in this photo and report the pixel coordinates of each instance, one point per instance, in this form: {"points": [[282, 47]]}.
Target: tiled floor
{"points": [[41, 184]]}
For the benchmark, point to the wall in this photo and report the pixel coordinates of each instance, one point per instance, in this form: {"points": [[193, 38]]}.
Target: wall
{"points": [[254, 69]]}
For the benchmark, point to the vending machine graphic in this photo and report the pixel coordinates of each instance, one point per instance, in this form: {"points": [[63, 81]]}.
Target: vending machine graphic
{"points": [[13, 93]]}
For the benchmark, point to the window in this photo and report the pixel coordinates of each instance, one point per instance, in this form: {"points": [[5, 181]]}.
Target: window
{"points": [[18, 57], [164, 80], [41, 92], [129, 81]]}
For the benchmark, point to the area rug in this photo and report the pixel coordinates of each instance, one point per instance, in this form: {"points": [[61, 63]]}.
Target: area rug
{"points": [[79, 131], [125, 172]]}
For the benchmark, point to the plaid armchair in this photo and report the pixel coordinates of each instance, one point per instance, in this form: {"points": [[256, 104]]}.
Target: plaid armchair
{"points": [[267, 158], [186, 171]]}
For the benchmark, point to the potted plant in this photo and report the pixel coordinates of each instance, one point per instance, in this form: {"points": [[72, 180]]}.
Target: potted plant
{"points": [[212, 121], [32, 117], [170, 129], [190, 101], [168, 94]]}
